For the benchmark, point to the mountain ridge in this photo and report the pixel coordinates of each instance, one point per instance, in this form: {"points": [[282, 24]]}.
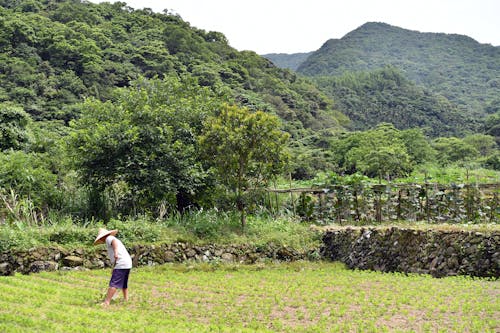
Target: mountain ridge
{"points": [[455, 66]]}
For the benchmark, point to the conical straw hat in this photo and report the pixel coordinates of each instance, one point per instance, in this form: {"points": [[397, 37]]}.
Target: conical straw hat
{"points": [[103, 233]]}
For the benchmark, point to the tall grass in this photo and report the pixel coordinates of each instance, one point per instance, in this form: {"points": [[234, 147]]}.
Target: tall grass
{"points": [[197, 227]]}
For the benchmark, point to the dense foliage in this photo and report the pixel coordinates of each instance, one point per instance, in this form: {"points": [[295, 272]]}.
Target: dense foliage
{"points": [[385, 95], [141, 148], [109, 112], [290, 61], [55, 53], [246, 148], [457, 67]]}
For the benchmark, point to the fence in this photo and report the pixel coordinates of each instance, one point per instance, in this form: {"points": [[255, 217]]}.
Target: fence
{"points": [[434, 203]]}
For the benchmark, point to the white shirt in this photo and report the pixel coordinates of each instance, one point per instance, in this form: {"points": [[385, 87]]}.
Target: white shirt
{"points": [[124, 260]]}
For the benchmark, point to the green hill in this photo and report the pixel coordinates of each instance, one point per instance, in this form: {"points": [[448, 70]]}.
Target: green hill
{"points": [[290, 61], [387, 96], [455, 66], [53, 54]]}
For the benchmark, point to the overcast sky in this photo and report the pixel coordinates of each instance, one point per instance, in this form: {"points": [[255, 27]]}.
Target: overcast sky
{"points": [[291, 26]]}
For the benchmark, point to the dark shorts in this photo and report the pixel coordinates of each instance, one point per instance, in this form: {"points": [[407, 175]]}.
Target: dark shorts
{"points": [[119, 278]]}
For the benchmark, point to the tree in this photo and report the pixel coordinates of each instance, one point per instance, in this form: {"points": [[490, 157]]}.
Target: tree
{"points": [[417, 145], [28, 176], [246, 148], [484, 144], [14, 127], [492, 126], [143, 144], [378, 152], [453, 150]]}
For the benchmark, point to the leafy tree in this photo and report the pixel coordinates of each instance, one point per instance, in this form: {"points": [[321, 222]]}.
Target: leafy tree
{"points": [[417, 145], [144, 143], [492, 161], [492, 126], [450, 150], [379, 152], [29, 176], [484, 144], [246, 148], [14, 127]]}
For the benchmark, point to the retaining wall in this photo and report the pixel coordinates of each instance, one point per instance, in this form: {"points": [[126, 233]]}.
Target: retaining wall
{"points": [[56, 258], [437, 252]]}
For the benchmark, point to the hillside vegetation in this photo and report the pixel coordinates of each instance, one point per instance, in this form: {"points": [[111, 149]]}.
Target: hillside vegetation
{"points": [[386, 95], [55, 53], [107, 112], [455, 66], [290, 61]]}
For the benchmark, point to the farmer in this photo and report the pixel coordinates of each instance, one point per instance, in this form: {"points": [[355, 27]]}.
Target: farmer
{"points": [[121, 260]]}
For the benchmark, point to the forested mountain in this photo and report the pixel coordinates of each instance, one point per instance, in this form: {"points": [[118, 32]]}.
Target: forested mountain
{"points": [[387, 96], [53, 54], [455, 66], [108, 112], [290, 61]]}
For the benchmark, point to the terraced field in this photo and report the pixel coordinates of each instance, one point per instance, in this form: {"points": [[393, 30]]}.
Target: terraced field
{"points": [[296, 297]]}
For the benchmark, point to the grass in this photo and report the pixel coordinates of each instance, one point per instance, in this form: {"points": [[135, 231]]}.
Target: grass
{"points": [[195, 228], [295, 297]]}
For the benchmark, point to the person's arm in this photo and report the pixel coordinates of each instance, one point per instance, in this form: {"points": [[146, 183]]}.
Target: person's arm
{"points": [[114, 244]]}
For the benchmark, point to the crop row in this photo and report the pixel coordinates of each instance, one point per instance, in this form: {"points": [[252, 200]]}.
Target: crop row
{"points": [[296, 297]]}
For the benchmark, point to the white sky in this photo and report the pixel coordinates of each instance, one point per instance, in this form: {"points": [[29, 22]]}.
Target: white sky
{"points": [[291, 26]]}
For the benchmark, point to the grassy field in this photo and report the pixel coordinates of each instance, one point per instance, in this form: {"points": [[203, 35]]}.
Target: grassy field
{"points": [[296, 297]]}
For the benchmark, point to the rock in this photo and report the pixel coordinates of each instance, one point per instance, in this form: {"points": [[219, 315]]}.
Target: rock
{"points": [[227, 257], [169, 256], [97, 264], [6, 269], [190, 253], [40, 266], [72, 261]]}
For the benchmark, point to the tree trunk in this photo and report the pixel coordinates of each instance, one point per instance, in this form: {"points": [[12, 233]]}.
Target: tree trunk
{"points": [[243, 219]]}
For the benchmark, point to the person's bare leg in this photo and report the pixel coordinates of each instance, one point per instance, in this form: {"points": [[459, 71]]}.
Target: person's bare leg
{"points": [[109, 296], [125, 294]]}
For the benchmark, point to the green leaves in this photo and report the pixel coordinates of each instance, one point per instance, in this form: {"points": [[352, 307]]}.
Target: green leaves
{"points": [[146, 139], [27, 176], [246, 148], [381, 152], [386, 95], [14, 127]]}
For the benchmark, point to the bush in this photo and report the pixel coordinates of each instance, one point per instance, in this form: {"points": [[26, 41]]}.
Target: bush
{"points": [[30, 177], [200, 227]]}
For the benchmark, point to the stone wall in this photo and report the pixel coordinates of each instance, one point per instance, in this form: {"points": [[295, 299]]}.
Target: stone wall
{"points": [[56, 258], [437, 252]]}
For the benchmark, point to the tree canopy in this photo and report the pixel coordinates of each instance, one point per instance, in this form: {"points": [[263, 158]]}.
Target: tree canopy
{"points": [[246, 148], [386, 96], [142, 146]]}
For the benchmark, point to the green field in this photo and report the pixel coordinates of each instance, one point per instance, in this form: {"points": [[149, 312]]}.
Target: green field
{"points": [[296, 297]]}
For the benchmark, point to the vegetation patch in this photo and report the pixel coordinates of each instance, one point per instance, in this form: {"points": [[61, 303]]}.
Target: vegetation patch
{"points": [[196, 228], [296, 297]]}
